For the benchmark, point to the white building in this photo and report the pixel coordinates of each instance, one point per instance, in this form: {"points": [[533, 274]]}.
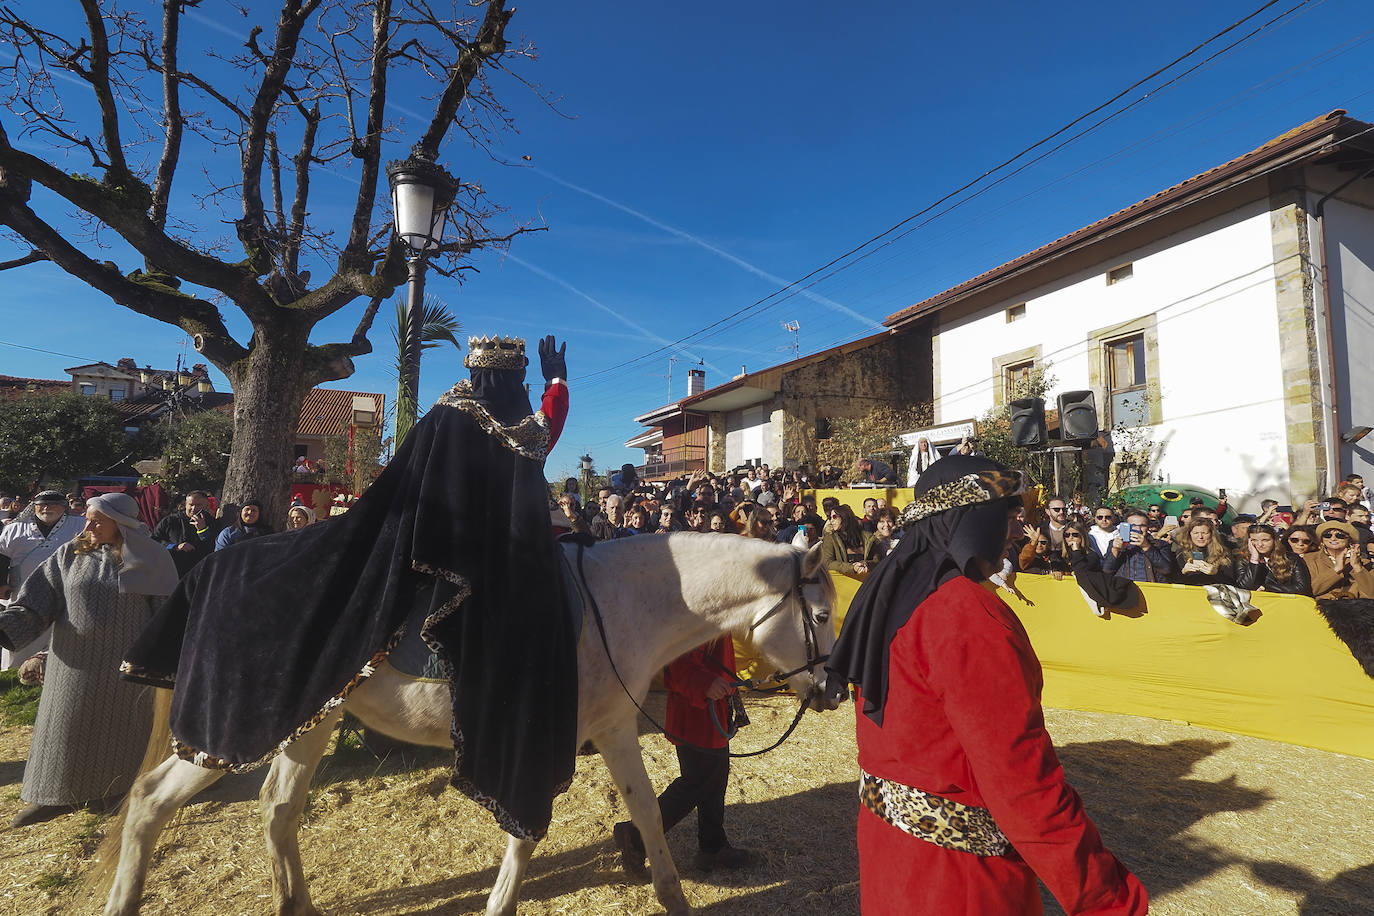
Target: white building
{"points": [[1230, 317]]}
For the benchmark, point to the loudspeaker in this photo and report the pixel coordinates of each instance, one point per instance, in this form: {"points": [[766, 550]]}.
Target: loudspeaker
{"points": [[1077, 416], [822, 428], [1028, 423]]}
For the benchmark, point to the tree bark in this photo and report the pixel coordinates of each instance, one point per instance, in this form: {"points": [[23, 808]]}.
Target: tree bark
{"points": [[269, 387]]}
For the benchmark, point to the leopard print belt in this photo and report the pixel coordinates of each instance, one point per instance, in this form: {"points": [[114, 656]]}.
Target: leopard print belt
{"points": [[932, 818]]}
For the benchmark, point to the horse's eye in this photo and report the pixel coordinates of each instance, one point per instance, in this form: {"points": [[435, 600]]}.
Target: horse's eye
{"points": [[822, 618]]}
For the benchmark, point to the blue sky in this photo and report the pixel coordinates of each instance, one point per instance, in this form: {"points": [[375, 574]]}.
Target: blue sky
{"points": [[698, 161]]}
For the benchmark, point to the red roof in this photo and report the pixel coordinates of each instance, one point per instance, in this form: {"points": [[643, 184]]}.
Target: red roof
{"points": [[328, 412], [1333, 127], [12, 387]]}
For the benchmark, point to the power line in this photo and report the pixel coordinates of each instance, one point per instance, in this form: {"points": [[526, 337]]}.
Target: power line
{"points": [[20, 346], [986, 174]]}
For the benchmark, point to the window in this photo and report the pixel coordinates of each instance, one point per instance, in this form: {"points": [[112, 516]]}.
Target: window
{"points": [[117, 393], [1016, 312], [1119, 273], [87, 389], [1015, 379], [1127, 379]]}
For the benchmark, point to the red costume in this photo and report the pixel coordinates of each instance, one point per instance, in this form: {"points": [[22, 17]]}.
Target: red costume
{"points": [[964, 721], [687, 679]]}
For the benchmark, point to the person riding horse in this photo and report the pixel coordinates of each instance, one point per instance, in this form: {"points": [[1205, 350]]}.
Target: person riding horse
{"points": [[264, 639]]}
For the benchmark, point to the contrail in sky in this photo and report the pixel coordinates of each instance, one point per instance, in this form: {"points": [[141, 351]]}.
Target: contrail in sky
{"points": [[719, 252], [660, 340]]}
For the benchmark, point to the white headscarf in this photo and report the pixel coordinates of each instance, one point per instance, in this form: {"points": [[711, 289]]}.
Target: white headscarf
{"points": [[147, 569]]}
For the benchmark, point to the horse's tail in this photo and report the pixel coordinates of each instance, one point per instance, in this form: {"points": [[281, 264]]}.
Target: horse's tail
{"points": [[100, 878]]}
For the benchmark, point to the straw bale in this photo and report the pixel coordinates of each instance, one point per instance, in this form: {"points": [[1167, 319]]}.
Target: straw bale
{"points": [[1212, 823]]}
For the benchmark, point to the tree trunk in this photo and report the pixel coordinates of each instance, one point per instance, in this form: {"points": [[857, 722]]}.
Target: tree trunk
{"points": [[269, 386]]}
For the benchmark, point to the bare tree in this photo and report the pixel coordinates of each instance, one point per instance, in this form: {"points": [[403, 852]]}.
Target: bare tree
{"points": [[143, 105]]}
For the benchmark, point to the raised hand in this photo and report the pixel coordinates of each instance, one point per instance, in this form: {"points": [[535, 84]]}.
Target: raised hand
{"points": [[551, 359]]}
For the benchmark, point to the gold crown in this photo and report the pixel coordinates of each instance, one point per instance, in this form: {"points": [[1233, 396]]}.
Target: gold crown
{"points": [[495, 353]]}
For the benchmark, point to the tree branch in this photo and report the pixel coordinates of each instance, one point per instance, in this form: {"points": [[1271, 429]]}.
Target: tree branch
{"points": [[370, 150], [252, 228], [100, 82], [171, 118], [490, 41], [142, 293], [124, 209], [334, 361], [33, 257], [296, 232]]}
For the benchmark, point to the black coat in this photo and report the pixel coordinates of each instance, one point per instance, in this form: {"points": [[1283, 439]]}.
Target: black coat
{"points": [[179, 529], [1254, 576]]}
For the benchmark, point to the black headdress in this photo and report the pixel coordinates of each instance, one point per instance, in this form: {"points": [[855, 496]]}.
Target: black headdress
{"points": [[959, 517]]}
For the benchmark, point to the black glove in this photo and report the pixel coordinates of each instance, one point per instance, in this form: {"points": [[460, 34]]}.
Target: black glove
{"points": [[551, 361]]}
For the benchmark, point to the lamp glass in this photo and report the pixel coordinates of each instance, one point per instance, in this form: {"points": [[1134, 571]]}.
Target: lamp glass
{"points": [[416, 217]]}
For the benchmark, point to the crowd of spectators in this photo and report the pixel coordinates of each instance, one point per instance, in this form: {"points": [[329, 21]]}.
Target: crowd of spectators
{"points": [[1322, 549]]}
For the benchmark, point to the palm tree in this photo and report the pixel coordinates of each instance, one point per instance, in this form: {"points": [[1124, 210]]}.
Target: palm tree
{"points": [[437, 325]]}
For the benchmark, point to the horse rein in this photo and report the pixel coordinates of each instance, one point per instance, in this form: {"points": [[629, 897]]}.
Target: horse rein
{"points": [[812, 659]]}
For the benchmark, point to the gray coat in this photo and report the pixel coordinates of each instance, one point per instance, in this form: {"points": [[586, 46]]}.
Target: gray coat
{"points": [[92, 726]]}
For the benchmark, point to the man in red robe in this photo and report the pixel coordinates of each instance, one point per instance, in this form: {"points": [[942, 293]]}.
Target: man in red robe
{"points": [[965, 803]]}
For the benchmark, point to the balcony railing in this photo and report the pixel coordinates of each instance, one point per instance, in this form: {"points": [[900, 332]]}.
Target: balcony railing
{"points": [[682, 459]]}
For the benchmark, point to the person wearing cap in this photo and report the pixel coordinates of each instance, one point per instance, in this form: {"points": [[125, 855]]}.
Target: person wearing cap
{"points": [[1337, 567], [97, 592], [190, 535], [24, 544], [963, 802], [456, 530]]}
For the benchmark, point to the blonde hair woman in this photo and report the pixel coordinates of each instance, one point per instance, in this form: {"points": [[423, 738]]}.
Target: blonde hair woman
{"points": [[1201, 556], [97, 592]]}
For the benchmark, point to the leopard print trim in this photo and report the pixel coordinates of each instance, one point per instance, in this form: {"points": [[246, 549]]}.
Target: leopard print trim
{"points": [[948, 824], [528, 438], [969, 490], [140, 675]]}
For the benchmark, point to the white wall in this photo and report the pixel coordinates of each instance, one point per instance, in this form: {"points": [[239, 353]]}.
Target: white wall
{"points": [[1350, 250], [1212, 292], [747, 435]]}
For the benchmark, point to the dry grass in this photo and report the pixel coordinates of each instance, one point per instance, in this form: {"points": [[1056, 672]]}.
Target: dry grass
{"points": [[1213, 824]]}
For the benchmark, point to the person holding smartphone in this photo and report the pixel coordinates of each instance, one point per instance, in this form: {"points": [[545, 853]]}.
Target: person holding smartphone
{"points": [[1137, 556], [1201, 557], [189, 534], [1338, 568]]}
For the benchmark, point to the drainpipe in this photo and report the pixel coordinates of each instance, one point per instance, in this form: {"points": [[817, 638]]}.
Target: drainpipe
{"points": [[1333, 457]]}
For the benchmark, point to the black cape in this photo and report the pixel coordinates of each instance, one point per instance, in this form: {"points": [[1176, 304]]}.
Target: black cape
{"points": [[265, 637]]}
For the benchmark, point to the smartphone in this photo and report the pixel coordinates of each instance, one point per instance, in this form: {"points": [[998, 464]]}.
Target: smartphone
{"points": [[1221, 492], [1285, 509], [1199, 554], [1123, 531]]}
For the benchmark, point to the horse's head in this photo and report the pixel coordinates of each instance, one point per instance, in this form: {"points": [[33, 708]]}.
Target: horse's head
{"points": [[799, 633]]}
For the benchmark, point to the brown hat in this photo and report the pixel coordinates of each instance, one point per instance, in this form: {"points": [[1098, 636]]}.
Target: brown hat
{"points": [[1334, 525]]}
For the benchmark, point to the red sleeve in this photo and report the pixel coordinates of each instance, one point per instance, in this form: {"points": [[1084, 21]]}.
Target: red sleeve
{"points": [[988, 680], [555, 410], [692, 674]]}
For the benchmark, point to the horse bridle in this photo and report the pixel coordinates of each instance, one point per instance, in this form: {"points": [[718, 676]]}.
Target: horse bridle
{"points": [[812, 659], [809, 624]]}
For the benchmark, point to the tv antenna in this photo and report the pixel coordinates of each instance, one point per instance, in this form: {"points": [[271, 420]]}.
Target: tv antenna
{"points": [[794, 327]]}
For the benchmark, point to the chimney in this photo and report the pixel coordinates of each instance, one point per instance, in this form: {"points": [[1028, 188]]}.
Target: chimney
{"points": [[127, 364], [696, 381]]}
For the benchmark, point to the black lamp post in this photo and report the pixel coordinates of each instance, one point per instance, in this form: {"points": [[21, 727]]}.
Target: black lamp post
{"points": [[421, 194]]}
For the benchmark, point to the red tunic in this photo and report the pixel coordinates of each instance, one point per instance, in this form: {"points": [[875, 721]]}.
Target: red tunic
{"points": [[963, 720], [687, 679]]}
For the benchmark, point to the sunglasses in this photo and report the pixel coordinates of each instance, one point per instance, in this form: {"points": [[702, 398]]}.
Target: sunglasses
{"points": [[1300, 540], [1055, 508], [1340, 535], [1101, 517]]}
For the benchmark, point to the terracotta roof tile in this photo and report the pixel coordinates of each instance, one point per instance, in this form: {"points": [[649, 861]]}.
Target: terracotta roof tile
{"points": [[12, 387], [328, 412]]}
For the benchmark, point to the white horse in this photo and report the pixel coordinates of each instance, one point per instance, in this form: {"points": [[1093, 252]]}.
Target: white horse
{"points": [[659, 595]]}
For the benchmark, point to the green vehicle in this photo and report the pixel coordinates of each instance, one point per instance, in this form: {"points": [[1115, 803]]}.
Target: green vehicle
{"points": [[1174, 497]]}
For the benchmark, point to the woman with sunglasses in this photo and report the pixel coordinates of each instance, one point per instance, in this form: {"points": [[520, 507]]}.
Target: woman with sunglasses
{"points": [[1337, 567], [843, 550], [1301, 539], [1264, 565]]}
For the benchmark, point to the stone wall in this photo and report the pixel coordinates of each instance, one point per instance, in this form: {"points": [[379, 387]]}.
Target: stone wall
{"points": [[896, 370]]}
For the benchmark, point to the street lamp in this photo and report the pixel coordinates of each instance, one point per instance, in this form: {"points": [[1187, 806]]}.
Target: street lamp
{"points": [[586, 476], [421, 194]]}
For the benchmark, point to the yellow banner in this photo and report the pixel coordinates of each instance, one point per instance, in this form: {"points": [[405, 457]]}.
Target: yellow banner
{"points": [[1285, 677]]}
